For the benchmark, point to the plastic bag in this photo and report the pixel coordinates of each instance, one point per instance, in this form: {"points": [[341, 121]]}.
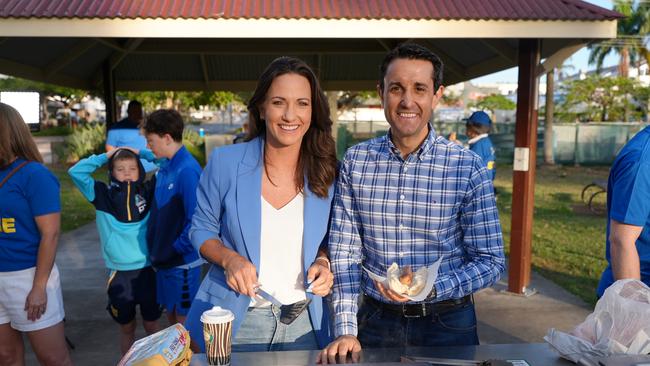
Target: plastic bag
{"points": [[168, 347], [620, 324]]}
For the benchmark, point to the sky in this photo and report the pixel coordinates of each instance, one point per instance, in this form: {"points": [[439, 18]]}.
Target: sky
{"points": [[578, 60]]}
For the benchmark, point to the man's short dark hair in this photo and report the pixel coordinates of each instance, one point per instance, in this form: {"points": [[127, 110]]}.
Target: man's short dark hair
{"points": [[133, 104], [413, 51], [165, 121]]}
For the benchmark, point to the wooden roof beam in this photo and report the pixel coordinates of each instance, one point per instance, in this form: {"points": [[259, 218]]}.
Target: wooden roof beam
{"points": [[13, 68], [501, 48]]}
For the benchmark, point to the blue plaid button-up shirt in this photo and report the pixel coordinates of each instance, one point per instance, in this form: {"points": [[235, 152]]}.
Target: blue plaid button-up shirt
{"points": [[438, 201]]}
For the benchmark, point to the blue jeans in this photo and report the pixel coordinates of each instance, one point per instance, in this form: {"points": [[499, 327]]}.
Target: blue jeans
{"points": [[262, 331], [449, 326]]}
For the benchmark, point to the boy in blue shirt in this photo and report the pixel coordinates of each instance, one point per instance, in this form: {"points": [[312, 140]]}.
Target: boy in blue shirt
{"points": [[477, 129], [177, 263], [122, 211], [628, 214]]}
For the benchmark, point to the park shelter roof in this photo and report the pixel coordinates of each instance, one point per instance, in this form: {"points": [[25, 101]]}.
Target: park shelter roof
{"points": [[225, 44], [309, 9]]}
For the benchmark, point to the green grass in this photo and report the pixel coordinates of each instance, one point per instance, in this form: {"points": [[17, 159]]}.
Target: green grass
{"points": [[568, 240], [75, 209]]}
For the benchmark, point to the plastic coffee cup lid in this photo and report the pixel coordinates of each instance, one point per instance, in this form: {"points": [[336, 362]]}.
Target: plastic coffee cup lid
{"points": [[217, 315]]}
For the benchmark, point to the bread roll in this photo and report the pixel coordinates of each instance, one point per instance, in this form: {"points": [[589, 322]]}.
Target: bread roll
{"points": [[404, 281], [406, 276]]}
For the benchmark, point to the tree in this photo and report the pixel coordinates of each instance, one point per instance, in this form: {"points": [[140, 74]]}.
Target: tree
{"points": [[631, 43], [550, 109], [450, 98], [351, 99], [493, 102], [181, 100], [548, 118], [641, 96], [598, 98]]}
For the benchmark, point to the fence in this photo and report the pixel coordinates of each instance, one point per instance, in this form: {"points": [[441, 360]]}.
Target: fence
{"points": [[593, 143]]}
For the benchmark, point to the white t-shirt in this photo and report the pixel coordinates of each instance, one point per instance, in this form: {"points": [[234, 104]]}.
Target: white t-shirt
{"points": [[281, 254]]}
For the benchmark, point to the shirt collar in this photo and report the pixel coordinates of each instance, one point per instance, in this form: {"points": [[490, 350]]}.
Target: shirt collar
{"points": [[177, 158], [419, 153], [475, 139]]}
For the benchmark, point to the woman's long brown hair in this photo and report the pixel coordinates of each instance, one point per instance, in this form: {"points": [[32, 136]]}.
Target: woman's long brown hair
{"points": [[15, 139], [317, 159]]}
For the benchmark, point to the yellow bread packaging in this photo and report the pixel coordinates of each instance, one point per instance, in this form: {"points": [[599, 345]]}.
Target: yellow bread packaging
{"points": [[168, 347]]}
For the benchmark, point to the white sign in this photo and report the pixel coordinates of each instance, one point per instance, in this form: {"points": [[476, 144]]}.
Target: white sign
{"points": [[521, 159], [26, 103]]}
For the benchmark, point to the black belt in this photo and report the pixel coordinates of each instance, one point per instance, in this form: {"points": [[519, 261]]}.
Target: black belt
{"points": [[289, 313], [418, 310]]}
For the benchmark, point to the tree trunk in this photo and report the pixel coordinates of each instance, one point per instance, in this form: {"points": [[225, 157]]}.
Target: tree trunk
{"points": [[548, 122], [624, 63], [45, 115]]}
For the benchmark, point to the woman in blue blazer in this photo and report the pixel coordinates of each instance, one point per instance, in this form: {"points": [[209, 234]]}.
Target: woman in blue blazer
{"points": [[262, 218]]}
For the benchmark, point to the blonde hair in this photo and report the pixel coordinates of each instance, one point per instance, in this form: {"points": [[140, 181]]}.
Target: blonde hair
{"points": [[15, 139]]}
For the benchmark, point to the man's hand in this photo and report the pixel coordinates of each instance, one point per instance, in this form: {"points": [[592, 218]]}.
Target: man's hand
{"points": [[241, 274], [320, 278], [337, 351], [390, 294]]}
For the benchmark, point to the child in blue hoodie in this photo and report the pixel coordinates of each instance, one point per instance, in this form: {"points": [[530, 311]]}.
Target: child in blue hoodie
{"points": [[122, 210]]}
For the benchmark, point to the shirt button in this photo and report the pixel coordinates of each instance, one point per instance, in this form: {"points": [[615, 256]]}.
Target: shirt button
{"points": [[405, 168], [401, 254], [401, 197], [401, 226]]}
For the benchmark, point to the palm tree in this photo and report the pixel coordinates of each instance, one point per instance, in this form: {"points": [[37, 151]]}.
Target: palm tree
{"points": [[631, 43]]}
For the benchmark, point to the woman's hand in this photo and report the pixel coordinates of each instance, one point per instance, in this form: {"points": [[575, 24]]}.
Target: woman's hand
{"points": [[320, 278], [36, 303], [241, 274]]}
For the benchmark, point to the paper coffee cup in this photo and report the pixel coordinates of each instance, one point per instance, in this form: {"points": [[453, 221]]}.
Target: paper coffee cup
{"points": [[217, 333]]}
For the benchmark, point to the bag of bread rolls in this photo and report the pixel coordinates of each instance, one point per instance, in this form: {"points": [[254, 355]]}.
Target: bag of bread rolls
{"points": [[168, 347]]}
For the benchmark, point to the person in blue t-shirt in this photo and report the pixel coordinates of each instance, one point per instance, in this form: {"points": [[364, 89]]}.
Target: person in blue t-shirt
{"points": [[477, 130], [30, 214], [177, 263], [628, 214], [122, 213], [126, 133]]}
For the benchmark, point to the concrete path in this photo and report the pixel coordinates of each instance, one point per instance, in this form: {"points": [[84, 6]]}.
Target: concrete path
{"points": [[503, 318]]}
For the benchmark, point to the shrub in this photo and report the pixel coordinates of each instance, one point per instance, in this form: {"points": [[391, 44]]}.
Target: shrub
{"points": [[195, 145], [82, 142]]}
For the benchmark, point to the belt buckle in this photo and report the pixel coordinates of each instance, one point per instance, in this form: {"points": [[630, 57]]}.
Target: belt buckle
{"points": [[414, 313]]}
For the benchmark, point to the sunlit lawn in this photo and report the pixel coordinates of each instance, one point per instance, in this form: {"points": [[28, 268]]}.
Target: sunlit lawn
{"points": [[568, 240]]}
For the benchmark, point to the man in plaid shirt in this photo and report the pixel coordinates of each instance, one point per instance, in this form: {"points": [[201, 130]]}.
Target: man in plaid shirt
{"points": [[410, 197]]}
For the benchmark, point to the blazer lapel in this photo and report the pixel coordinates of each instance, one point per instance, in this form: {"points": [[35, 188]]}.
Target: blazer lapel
{"points": [[316, 224], [249, 206]]}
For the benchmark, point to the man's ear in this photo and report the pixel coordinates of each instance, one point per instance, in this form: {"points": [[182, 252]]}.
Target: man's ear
{"points": [[437, 96], [440, 91], [380, 91]]}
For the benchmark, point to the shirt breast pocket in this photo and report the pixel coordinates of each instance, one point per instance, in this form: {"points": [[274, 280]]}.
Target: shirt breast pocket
{"points": [[442, 218]]}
